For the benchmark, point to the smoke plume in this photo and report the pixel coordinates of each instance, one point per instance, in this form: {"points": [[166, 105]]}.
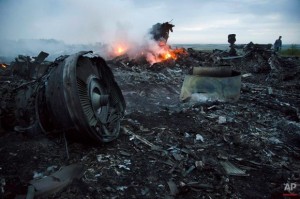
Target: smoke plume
{"points": [[55, 26]]}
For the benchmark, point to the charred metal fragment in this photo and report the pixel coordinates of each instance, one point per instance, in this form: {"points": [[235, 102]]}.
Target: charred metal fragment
{"points": [[231, 41], [160, 31], [76, 94], [211, 84]]}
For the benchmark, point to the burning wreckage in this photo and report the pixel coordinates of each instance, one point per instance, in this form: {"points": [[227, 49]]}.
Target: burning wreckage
{"points": [[76, 94], [237, 135]]}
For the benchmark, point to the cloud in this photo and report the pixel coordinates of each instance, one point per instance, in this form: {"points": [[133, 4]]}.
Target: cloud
{"points": [[77, 21], [73, 21]]}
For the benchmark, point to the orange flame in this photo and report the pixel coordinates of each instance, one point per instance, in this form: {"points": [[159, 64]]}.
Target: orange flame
{"points": [[120, 50], [169, 53], [3, 65], [157, 52]]}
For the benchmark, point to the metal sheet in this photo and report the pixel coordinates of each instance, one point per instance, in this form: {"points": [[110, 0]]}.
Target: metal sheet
{"points": [[211, 84]]}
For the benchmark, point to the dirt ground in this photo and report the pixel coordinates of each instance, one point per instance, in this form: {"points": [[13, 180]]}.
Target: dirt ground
{"points": [[168, 149]]}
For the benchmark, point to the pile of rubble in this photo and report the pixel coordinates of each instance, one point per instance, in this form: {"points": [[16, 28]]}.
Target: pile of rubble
{"points": [[251, 58]]}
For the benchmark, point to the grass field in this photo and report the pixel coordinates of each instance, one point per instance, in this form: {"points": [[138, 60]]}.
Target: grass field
{"points": [[287, 49], [291, 51]]}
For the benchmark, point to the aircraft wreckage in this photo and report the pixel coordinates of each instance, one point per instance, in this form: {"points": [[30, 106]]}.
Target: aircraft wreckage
{"points": [[75, 94]]}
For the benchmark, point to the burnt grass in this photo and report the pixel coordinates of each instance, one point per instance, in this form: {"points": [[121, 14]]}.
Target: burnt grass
{"points": [[260, 136]]}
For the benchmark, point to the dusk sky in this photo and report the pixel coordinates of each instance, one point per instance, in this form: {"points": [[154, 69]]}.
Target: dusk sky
{"points": [[196, 21]]}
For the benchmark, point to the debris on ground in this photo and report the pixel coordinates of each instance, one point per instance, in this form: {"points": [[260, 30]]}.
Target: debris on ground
{"points": [[249, 148], [75, 95]]}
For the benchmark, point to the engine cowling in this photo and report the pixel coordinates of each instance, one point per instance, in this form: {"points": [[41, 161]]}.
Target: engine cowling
{"points": [[77, 94]]}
